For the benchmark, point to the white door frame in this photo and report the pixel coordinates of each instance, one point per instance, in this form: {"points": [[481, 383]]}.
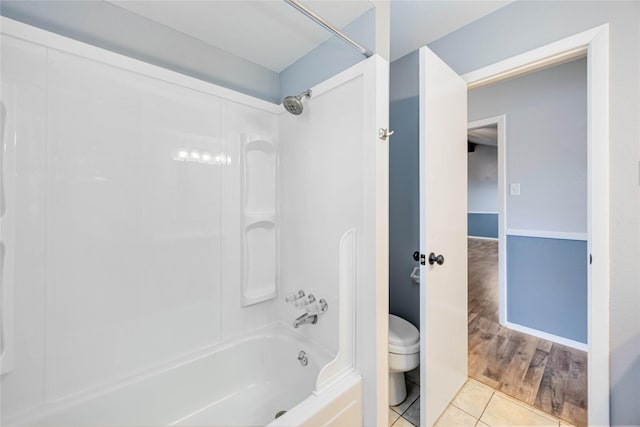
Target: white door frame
{"points": [[595, 43], [500, 122]]}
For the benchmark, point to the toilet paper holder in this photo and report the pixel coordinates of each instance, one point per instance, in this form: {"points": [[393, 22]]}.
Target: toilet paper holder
{"points": [[415, 275]]}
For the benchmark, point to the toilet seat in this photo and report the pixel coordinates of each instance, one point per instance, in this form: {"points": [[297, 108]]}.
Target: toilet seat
{"points": [[404, 338]]}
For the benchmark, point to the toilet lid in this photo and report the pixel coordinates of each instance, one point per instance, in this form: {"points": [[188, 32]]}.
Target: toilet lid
{"points": [[404, 338]]}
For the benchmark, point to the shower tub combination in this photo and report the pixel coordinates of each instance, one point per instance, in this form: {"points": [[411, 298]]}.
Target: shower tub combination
{"points": [[171, 216], [244, 383]]}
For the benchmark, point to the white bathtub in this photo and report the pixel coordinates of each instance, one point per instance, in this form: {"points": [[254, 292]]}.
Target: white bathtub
{"points": [[243, 383]]}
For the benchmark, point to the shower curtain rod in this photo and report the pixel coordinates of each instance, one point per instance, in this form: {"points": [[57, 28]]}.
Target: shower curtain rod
{"points": [[317, 19]]}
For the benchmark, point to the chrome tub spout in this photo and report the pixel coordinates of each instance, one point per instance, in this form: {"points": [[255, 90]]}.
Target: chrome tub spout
{"points": [[304, 319]]}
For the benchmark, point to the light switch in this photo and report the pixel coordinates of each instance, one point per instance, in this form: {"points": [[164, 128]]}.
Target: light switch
{"points": [[514, 189]]}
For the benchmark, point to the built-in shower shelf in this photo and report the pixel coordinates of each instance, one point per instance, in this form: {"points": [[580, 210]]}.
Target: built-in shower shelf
{"points": [[256, 296], [254, 217], [259, 201], [259, 143]]}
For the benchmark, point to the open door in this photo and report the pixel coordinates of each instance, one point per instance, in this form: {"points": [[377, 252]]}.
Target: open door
{"points": [[443, 235]]}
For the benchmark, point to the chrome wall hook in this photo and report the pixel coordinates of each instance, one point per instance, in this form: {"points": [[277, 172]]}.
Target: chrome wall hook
{"points": [[384, 133]]}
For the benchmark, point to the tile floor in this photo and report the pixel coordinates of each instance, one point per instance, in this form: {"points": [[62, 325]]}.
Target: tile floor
{"points": [[475, 405]]}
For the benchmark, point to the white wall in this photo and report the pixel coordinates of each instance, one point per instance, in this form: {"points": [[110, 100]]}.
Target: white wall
{"points": [[327, 186], [524, 25], [321, 182], [23, 107], [127, 256], [482, 192], [132, 235]]}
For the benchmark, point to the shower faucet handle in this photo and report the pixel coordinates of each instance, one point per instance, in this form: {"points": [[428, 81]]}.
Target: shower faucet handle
{"points": [[294, 296], [317, 308], [303, 302]]}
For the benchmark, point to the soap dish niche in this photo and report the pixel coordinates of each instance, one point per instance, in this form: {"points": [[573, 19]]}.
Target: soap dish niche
{"points": [[259, 168], [259, 262], [259, 201]]}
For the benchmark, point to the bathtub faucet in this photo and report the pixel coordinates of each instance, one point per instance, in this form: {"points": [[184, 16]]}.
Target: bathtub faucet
{"points": [[304, 319]]}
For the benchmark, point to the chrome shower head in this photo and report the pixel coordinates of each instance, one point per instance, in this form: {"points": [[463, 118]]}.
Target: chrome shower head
{"points": [[293, 104]]}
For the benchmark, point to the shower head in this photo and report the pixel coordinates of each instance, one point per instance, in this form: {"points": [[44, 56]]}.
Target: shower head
{"points": [[293, 104]]}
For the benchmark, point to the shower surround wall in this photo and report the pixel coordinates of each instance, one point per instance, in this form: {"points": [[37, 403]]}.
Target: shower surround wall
{"points": [[321, 168], [134, 192], [128, 210]]}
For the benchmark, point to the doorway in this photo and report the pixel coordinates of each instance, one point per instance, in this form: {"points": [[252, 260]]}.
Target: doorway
{"points": [[595, 42], [535, 352]]}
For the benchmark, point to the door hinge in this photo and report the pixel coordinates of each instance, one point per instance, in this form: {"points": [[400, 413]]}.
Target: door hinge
{"points": [[590, 259], [423, 259]]}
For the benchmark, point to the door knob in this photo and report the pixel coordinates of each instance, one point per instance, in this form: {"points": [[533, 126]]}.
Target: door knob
{"points": [[416, 256], [433, 259]]}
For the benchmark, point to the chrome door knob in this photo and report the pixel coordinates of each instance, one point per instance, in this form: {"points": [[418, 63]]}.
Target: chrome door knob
{"points": [[435, 259]]}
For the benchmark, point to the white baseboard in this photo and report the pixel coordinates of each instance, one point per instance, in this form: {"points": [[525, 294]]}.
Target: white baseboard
{"points": [[544, 234], [483, 238], [547, 336]]}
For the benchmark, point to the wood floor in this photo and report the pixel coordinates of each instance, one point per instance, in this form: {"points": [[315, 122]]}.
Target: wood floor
{"points": [[546, 375]]}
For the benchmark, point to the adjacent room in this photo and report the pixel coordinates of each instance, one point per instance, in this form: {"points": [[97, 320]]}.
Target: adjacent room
{"points": [[532, 343]]}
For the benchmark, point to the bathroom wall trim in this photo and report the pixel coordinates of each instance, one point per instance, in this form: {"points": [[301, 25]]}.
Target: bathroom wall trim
{"points": [[41, 37], [547, 234], [495, 239], [483, 212], [593, 43], [547, 336]]}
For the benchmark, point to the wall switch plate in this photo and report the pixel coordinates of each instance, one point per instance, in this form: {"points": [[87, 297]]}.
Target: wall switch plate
{"points": [[514, 189]]}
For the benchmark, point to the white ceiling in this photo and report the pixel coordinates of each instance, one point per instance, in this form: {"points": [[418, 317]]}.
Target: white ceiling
{"points": [[415, 23], [270, 33], [484, 136], [273, 34]]}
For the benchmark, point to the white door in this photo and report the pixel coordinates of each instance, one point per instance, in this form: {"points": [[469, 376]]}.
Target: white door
{"points": [[443, 235]]}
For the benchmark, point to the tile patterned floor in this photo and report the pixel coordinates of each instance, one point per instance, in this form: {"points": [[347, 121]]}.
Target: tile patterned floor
{"points": [[407, 414], [475, 405]]}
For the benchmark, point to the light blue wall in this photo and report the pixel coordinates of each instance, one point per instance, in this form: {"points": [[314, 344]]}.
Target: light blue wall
{"points": [[105, 25], [482, 225], [524, 25], [482, 191], [404, 78], [546, 153], [330, 58], [404, 209], [548, 285], [110, 27], [482, 179], [546, 147], [404, 197]]}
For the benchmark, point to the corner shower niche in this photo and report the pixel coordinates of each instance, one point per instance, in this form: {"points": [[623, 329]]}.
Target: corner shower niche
{"points": [[259, 201]]}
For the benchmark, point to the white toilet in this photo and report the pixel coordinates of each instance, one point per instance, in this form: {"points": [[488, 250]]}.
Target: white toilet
{"points": [[404, 355]]}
